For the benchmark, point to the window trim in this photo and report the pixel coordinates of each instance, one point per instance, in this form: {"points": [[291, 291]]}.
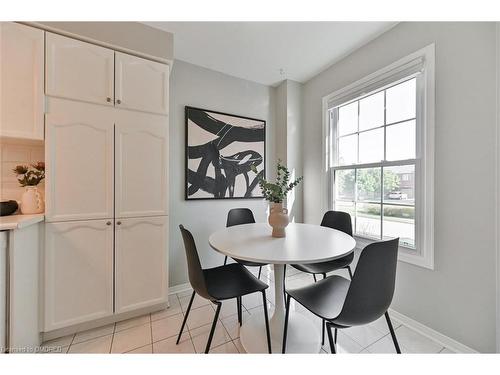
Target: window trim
{"points": [[422, 61]]}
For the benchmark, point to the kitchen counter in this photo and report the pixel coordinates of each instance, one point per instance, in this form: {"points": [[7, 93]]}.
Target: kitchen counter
{"points": [[19, 221]]}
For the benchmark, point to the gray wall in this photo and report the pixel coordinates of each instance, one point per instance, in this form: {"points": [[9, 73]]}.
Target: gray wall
{"points": [[458, 297], [288, 124], [199, 87]]}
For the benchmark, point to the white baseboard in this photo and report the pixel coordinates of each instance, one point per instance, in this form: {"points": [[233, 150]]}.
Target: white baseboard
{"points": [[444, 340], [179, 288]]}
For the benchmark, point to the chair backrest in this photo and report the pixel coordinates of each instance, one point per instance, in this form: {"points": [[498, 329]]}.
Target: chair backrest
{"points": [[195, 272], [338, 220], [341, 221], [238, 216], [372, 286]]}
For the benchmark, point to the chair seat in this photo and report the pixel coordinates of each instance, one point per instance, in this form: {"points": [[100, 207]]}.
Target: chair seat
{"points": [[325, 267], [231, 281], [324, 298], [249, 264]]}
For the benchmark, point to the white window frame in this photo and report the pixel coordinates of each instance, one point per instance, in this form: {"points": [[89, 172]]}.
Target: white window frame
{"points": [[421, 62]]}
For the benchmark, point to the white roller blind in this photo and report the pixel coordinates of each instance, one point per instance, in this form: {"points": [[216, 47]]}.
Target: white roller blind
{"points": [[376, 82]]}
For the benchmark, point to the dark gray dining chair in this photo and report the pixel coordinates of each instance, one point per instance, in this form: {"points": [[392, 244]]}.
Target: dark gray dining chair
{"points": [[343, 303], [340, 221], [336, 220], [219, 284], [239, 216]]}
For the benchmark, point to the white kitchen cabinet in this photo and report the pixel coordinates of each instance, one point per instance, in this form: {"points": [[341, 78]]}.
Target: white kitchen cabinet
{"points": [[79, 70], [141, 84], [141, 262], [78, 272], [141, 164], [79, 161], [21, 81]]}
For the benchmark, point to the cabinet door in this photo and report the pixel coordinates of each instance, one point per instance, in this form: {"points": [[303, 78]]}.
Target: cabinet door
{"points": [[141, 84], [21, 81], [141, 152], [79, 161], [141, 262], [78, 272], [79, 70]]}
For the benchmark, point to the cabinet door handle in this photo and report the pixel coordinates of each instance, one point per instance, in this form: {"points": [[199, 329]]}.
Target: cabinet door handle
{"points": [[118, 101], [108, 99], [118, 223], [108, 222]]}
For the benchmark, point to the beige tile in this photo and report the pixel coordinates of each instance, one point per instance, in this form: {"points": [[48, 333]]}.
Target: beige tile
{"points": [[240, 347], [381, 324], [364, 335], [169, 346], [232, 326], [132, 338], [229, 307], [386, 346], [94, 333], [345, 344], [148, 349], [99, 345], [134, 322], [173, 309], [167, 327], [197, 302], [59, 342], [200, 336], [184, 293], [415, 342], [201, 316], [252, 300], [226, 348], [446, 351]]}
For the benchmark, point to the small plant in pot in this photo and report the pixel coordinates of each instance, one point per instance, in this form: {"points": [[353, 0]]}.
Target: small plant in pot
{"points": [[276, 193], [29, 177]]}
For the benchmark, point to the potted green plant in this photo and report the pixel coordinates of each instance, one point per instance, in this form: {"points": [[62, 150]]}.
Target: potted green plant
{"points": [[29, 177], [276, 193]]}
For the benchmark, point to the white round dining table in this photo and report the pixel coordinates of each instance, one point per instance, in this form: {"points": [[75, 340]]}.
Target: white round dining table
{"points": [[304, 243]]}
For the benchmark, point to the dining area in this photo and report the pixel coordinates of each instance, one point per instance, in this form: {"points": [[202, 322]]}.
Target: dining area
{"points": [[350, 297]]}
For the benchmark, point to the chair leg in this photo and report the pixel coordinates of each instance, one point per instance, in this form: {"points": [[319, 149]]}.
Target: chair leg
{"points": [[268, 333], [314, 276], [335, 336], [284, 283], [330, 338], [285, 330], [260, 271], [225, 260], [393, 335], [238, 301], [350, 272], [216, 317], [185, 317], [322, 332]]}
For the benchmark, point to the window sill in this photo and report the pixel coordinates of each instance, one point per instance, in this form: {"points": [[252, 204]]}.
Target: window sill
{"points": [[404, 254]]}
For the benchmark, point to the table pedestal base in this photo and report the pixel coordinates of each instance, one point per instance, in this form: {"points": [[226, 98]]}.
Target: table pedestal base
{"points": [[303, 335]]}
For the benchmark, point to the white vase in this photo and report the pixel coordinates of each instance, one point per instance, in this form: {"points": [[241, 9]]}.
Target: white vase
{"points": [[278, 219], [32, 201]]}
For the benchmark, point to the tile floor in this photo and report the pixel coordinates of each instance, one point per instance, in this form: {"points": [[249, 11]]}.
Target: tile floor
{"points": [[156, 332]]}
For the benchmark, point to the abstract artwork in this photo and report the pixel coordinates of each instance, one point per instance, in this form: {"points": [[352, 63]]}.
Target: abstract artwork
{"points": [[220, 150]]}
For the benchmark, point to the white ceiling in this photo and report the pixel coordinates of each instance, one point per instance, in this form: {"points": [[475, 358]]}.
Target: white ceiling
{"points": [[256, 51]]}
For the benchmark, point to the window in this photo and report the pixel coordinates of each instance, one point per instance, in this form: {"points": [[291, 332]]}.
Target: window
{"points": [[373, 160], [379, 155]]}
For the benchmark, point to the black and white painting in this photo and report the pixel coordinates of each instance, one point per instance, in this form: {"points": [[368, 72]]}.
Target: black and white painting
{"points": [[220, 150]]}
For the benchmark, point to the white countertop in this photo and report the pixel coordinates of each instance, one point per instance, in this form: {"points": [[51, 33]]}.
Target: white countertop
{"points": [[19, 221]]}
